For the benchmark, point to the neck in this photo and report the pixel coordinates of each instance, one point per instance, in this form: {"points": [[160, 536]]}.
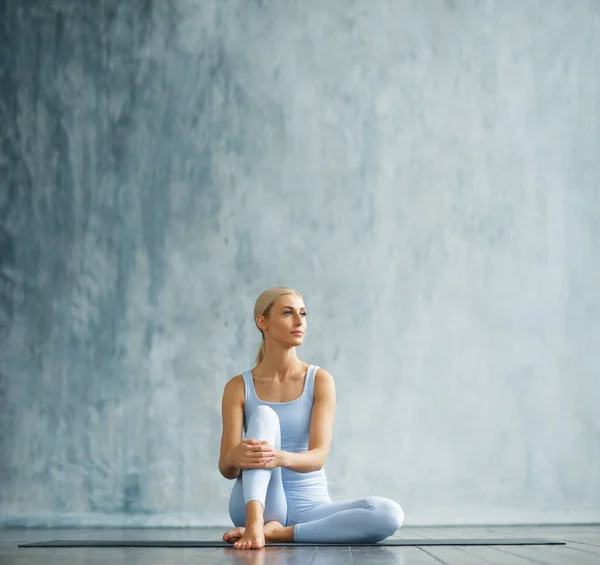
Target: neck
{"points": [[280, 362]]}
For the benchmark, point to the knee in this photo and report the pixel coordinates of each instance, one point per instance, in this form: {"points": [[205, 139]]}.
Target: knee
{"points": [[265, 413], [263, 418], [390, 515]]}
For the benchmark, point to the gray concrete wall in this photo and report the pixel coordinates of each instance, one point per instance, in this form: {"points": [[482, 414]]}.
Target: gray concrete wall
{"points": [[426, 173]]}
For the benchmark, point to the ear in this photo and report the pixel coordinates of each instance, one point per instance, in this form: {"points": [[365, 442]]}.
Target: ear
{"points": [[260, 322]]}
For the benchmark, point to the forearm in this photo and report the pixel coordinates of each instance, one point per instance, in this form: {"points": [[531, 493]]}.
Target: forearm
{"points": [[303, 462]]}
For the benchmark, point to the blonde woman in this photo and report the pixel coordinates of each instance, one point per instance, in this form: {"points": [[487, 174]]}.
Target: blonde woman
{"points": [[286, 409]]}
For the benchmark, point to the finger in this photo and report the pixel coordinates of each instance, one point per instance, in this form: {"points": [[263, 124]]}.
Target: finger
{"points": [[252, 465], [262, 455], [261, 449], [261, 464]]}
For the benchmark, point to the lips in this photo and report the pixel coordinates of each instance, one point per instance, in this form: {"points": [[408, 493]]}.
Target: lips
{"points": [[298, 333]]}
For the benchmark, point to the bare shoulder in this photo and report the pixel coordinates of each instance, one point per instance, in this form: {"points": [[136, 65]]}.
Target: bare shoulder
{"points": [[324, 382], [234, 387], [323, 375]]}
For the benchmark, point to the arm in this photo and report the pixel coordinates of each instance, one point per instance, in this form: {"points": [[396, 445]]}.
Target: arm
{"points": [[321, 428], [232, 410]]}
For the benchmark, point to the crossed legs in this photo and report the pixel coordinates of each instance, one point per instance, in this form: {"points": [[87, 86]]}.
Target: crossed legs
{"points": [[258, 500]]}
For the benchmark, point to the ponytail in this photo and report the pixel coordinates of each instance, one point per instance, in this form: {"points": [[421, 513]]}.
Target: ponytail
{"points": [[261, 352]]}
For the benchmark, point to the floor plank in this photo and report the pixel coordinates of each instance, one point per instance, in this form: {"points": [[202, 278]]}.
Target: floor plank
{"points": [[494, 557], [449, 555], [559, 555]]}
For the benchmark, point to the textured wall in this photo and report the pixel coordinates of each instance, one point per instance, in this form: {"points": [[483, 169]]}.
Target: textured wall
{"points": [[425, 172]]}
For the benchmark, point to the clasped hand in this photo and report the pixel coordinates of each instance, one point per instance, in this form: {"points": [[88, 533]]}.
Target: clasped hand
{"points": [[256, 454]]}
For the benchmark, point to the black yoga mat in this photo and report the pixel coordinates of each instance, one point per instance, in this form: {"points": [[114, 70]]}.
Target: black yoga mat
{"points": [[187, 543]]}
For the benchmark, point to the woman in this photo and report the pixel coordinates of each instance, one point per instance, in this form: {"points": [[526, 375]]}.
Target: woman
{"points": [[286, 409]]}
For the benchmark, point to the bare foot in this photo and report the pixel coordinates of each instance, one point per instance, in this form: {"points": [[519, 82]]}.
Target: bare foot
{"points": [[252, 538], [277, 533], [270, 528], [231, 536]]}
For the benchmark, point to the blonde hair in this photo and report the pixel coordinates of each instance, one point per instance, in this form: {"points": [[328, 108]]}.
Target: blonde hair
{"points": [[263, 306]]}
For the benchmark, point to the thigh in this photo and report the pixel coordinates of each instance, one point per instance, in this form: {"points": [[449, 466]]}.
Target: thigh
{"points": [[324, 509], [369, 520]]}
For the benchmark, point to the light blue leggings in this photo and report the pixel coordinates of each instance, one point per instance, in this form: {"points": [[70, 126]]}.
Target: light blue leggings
{"points": [[359, 520]]}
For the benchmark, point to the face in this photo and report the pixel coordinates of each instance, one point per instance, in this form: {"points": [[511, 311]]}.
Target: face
{"points": [[287, 315]]}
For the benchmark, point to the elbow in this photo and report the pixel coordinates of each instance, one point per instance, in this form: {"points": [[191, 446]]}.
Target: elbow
{"points": [[229, 472], [225, 475], [321, 460], [223, 470]]}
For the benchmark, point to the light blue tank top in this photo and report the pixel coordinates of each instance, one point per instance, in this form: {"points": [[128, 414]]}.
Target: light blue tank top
{"points": [[294, 421]]}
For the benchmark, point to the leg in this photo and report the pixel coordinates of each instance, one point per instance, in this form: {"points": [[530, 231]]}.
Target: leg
{"points": [[264, 426], [367, 520], [258, 495], [275, 501]]}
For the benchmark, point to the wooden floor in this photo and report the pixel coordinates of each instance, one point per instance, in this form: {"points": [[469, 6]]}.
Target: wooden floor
{"points": [[582, 548]]}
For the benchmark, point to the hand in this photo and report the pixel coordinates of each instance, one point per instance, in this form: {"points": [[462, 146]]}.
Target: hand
{"points": [[277, 461], [252, 454]]}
